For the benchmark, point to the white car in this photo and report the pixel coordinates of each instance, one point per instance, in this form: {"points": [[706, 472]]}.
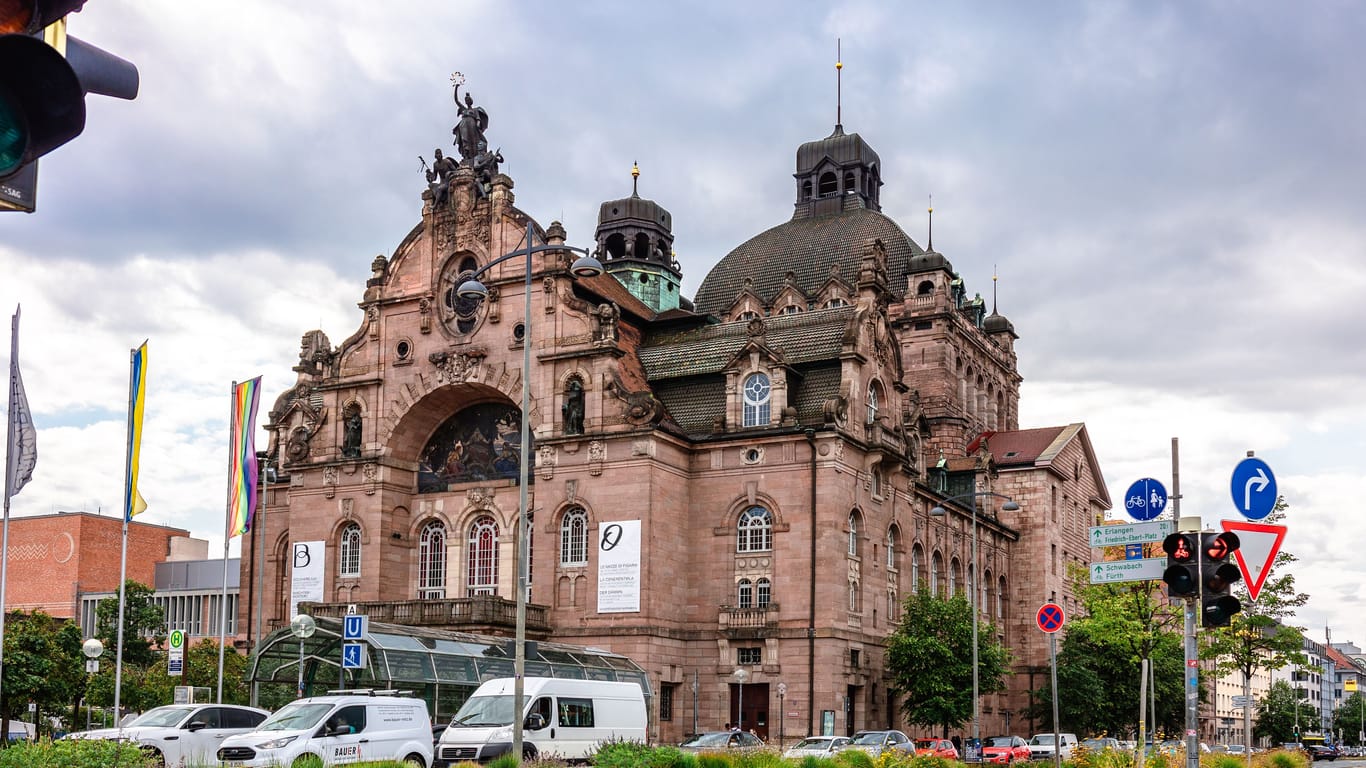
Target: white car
{"points": [[353, 727], [817, 746], [183, 734]]}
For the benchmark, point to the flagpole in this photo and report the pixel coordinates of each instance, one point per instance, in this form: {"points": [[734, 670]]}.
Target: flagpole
{"points": [[10, 458], [227, 537], [259, 532], [123, 557]]}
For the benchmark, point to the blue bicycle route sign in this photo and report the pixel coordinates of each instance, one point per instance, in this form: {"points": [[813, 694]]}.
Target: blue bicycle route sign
{"points": [[1145, 499]]}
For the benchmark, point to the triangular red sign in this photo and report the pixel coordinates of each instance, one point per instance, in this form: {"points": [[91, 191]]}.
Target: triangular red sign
{"points": [[1258, 544]]}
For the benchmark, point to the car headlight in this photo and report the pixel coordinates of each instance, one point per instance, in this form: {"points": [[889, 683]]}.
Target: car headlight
{"points": [[276, 743], [501, 733]]}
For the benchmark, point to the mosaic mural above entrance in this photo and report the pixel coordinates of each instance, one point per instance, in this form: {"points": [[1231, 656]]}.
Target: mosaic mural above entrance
{"points": [[482, 442]]}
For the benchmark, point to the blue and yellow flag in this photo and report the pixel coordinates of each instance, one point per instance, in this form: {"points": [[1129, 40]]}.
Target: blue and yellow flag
{"points": [[137, 393]]}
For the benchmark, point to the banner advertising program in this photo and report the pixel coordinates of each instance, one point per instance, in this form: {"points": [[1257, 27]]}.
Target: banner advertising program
{"points": [[306, 574], [619, 567]]}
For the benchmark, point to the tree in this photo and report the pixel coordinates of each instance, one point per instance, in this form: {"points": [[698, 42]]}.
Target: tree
{"points": [[43, 665], [929, 655], [1276, 714], [1350, 719], [1100, 661], [1261, 636], [144, 624]]}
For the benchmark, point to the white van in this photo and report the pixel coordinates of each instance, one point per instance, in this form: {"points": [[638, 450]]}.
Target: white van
{"points": [[341, 728], [562, 718]]}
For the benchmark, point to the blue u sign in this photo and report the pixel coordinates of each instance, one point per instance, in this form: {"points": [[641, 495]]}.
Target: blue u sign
{"points": [[1253, 488], [1145, 499]]}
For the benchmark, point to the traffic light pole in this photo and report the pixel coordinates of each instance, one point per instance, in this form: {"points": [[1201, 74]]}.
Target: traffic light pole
{"points": [[1192, 688]]}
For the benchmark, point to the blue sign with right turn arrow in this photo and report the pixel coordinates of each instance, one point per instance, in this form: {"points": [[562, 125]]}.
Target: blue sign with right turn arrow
{"points": [[1253, 488]]}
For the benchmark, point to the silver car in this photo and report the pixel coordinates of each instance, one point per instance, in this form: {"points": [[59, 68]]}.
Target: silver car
{"points": [[183, 734]]}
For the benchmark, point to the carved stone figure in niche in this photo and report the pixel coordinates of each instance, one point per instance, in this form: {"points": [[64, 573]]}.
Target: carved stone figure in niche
{"points": [[351, 434], [469, 132], [480, 443], [439, 176], [607, 322], [572, 410]]}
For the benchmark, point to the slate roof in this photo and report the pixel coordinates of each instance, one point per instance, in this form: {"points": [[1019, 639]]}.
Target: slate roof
{"points": [[807, 247], [694, 402], [804, 337], [1025, 447]]}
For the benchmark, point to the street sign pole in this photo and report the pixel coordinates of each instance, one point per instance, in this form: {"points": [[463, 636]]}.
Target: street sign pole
{"points": [[1192, 689], [1053, 675]]}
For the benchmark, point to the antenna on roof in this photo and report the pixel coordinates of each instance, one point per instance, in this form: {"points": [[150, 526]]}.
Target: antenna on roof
{"points": [[839, 66], [929, 242]]}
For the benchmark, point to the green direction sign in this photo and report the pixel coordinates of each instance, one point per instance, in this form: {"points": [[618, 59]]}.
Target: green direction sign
{"points": [[1127, 570], [1133, 533]]}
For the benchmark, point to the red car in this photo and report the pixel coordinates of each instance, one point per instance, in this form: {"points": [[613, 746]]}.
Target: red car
{"points": [[936, 748], [1004, 750]]}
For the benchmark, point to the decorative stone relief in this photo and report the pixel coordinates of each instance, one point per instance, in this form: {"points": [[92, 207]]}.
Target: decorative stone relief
{"points": [[545, 461], [330, 481], [372, 321], [348, 507], [457, 368], [597, 454], [424, 311], [480, 497], [371, 474]]}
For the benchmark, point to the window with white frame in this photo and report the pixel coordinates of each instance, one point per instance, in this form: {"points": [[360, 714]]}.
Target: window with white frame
{"points": [[482, 557], [744, 597], [747, 315], [754, 532], [757, 394], [1001, 600], [874, 398], [892, 553], [936, 569], [763, 593], [574, 538], [431, 561], [348, 558], [853, 534], [875, 481], [953, 577], [916, 554], [854, 604]]}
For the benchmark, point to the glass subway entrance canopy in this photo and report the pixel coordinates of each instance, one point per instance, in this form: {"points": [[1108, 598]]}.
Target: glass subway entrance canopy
{"points": [[427, 660]]}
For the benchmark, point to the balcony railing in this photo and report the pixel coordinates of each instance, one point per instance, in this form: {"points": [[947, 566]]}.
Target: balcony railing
{"points": [[748, 618], [461, 613]]}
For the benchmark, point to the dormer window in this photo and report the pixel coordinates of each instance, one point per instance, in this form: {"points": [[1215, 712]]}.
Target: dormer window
{"points": [[790, 309], [747, 315], [836, 302], [757, 394]]}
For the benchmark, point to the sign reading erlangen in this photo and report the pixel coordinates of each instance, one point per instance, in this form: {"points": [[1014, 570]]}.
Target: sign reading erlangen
{"points": [[306, 574], [619, 567]]}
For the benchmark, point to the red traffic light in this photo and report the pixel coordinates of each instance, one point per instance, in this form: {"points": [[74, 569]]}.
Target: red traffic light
{"points": [[1180, 547], [1217, 548]]}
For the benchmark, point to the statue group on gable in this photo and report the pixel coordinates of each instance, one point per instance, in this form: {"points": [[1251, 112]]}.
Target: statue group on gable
{"points": [[474, 151]]}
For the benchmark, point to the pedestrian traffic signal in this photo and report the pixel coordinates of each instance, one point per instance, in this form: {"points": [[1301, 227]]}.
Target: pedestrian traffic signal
{"points": [[1182, 575], [1217, 606], [42, 91]]}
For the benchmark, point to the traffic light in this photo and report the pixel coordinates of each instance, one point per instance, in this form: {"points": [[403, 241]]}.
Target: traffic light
{"points": [[42, 91], [1217, 606], [1182, 577]]}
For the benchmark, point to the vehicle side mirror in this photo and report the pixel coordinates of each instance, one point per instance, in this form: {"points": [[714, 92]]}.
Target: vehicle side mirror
{"points": [[196, 725], [535, 721]]}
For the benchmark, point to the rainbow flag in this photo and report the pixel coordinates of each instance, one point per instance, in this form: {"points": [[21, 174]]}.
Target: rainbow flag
{"points": [[244, 471], [137, 395]]}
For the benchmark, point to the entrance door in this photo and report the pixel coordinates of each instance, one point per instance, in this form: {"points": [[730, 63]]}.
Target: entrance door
{"points": [[752, 711], [850, 705]]}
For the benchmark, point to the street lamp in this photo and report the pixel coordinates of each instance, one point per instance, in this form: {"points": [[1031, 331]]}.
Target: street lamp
{"points": [[584, 266], [782, 716], [939, 511], [740, 676], [303, 626], [92, 649]]}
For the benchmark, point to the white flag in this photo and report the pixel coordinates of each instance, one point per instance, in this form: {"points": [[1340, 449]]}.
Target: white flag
{"points": [[22, 452]]}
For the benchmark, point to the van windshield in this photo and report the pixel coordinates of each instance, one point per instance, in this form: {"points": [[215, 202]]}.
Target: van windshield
{"points": [[484, 711], [296, 716]]}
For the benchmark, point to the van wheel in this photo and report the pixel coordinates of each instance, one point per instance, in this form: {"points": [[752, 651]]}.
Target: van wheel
{"points": [[414, 759], [528, 752], [307, 761]]}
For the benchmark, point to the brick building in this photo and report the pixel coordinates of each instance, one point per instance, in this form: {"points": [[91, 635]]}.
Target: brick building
{"points": [[779, 443], [55, 559]]}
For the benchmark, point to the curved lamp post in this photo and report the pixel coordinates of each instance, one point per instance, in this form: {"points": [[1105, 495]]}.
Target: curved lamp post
{"points": [[303, 626], [584, 266], [939, 511]]}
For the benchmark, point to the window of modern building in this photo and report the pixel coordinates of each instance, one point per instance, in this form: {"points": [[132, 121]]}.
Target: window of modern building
{"points": [[431, 561], [757, 393], [574, 538], [754, 532], [482, 557], [348, 558]]}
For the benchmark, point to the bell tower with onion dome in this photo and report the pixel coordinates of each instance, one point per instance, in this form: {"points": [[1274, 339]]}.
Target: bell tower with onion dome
{"points": [[635, 237]]}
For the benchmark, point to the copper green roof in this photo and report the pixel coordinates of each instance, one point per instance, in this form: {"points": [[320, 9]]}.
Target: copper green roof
{"points": [[807, 247]]}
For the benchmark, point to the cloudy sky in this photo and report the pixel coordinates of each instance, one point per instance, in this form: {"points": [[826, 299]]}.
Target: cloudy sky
{"points": [[1171, 193]]}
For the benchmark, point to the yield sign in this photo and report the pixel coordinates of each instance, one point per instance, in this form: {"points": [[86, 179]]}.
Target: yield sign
{"points": [[1258, 545]]}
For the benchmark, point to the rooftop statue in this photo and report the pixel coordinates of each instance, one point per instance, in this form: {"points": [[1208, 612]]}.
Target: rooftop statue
{"points": [[469, 132]]}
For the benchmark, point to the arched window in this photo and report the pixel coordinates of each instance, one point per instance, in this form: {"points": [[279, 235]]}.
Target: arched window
{"points": [[790, 309], [747, 315], [431, 561], [972, 586], [849, 186], [854, 605], [853, 534], [893, 605], [756, 400], [745, 594], [874, 398], [953, 577], [754, 532], [482, 571], [936, 568], [836, 302], [917, 554], [348, 558], [574, 538], [1001, 601], [925, 288], [806, 190], [763, 592], [829, 185], [892, 554], [985, 605]]}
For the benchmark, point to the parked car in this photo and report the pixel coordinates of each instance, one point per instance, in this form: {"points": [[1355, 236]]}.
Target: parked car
{"points": [[936, 748], [817, 746], [1323, 752], [874, 742], [1041, 746], [722, 741], [183, 734], [1101, 744], [1005, 749]]}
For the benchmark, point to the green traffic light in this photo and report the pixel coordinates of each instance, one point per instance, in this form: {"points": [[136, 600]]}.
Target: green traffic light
{"points": [[13, 135]]}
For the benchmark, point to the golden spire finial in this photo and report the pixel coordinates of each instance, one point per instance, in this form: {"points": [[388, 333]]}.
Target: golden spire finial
{"points": [[635, 179]]}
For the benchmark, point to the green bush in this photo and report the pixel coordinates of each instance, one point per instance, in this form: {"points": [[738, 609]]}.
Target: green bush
{"points": [[79, 753], [853, 758]]}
